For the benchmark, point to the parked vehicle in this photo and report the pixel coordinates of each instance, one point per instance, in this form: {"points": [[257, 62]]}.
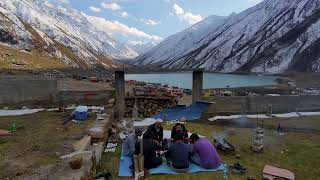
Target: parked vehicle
{"points": [[94, 79]]}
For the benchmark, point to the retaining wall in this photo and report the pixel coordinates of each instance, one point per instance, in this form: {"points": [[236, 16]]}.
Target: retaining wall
{"points": [[26, 89], [84, 97], [37, 90], [263, 104]]}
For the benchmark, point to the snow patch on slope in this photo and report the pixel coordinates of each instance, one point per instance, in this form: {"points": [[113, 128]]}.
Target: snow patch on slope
{"points": [[268, 37]]}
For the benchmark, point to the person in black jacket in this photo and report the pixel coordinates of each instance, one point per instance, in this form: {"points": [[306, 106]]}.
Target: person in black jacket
{"points": [[178, 155], [157, 130], [179, 129], [151, 151]]}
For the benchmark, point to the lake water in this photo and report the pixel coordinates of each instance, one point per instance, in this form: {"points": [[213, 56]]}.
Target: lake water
{"points": [[210, 80]]}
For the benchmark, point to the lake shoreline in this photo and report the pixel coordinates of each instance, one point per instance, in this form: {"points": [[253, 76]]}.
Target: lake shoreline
{"points": [[211, 72], [211, 80]]}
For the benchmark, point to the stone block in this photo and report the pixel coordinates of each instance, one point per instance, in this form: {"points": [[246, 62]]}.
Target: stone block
{"points": [[82, 144], [98, 150], [97, 132]]}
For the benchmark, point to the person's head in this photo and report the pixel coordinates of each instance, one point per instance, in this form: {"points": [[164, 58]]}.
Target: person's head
{"points": [[158, 125], [148, 135], [179, 137], [179, 128], [139, 131], [194, 137]]}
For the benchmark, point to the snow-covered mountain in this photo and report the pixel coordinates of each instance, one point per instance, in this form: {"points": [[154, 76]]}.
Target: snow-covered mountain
{"points": [[141, 47], [273, 36], [66, 34]]}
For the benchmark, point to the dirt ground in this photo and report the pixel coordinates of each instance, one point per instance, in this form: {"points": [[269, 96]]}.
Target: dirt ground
{"points": [[38, 143], [296, 151], [83, 85], [185, 100], [305, 80]]}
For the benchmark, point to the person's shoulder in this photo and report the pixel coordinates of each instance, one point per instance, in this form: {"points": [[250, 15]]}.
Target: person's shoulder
{"points": [[151, 126], [205, 139], [131, 136]]}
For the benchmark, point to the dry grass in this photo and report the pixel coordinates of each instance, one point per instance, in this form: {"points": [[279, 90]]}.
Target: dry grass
{"points": [[40, 140], [30, 61]]}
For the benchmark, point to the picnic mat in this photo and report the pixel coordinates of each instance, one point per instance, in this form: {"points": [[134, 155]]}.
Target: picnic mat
{"points": [[165, 169], [125, 163], [125, 171]]}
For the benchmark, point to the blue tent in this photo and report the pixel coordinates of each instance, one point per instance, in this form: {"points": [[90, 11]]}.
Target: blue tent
{"points": [[81, 113], [192, 112]]}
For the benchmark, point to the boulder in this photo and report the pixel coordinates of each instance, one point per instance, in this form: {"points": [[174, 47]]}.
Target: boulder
{"points": [[76, 163], [65, 171]]}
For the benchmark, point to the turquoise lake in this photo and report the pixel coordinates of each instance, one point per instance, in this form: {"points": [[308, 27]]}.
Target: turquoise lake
{"points": [[210, 80]]}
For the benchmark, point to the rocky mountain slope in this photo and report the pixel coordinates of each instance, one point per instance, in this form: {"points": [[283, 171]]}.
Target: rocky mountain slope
{"points": [[63, 34], [274, 36], [140, 47]]}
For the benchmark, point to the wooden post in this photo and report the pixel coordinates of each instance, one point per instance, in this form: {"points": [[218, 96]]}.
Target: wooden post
{"points": [[141, 160], [120, 94], [136, 167], [197, 82]]}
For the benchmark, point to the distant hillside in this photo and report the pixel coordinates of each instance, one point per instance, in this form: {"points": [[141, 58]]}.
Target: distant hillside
{"points": [[274, 36], [65, 35]]}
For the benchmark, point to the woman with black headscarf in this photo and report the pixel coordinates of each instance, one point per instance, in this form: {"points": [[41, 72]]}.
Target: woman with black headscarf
{"points": [[179, 129]]}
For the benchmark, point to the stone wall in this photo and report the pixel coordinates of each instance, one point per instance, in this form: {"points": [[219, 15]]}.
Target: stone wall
{"points": [[37, 90], [26, 89], [144, 107], [84, 97], [263, 104]]}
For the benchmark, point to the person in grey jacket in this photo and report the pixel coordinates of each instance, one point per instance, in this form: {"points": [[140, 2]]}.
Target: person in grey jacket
{"points": [[131, 140]]}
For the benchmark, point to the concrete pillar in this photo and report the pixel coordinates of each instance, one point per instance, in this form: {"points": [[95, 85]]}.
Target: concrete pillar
{"points": [[197, 82], [120, 95]]}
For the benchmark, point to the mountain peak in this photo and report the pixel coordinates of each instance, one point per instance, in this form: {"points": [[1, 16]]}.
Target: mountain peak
{"points": [[41, 25], [273, 36]]}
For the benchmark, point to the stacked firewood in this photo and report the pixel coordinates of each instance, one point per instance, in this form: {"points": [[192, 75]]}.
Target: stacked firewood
{"points": [[147, 107]]}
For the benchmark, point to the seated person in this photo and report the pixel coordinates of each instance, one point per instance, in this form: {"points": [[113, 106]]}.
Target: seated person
{"points": [[157, 130], [204, 153], [179, 129], [130, 142], [151, 151], [178, 155]]}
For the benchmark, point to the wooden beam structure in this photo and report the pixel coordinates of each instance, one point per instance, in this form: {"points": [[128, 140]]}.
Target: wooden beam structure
{"points": [[197, 83]]}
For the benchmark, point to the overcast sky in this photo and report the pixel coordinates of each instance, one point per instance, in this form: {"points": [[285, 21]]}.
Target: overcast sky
{"points": [[152, 20]]}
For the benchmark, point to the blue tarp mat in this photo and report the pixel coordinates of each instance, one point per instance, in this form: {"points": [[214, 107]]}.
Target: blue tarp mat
{"points": [[126, 162], [165, 169], [192, 112]]}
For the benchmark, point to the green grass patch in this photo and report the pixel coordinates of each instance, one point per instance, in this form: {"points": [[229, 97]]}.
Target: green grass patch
{"points": [[298, 152]]}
